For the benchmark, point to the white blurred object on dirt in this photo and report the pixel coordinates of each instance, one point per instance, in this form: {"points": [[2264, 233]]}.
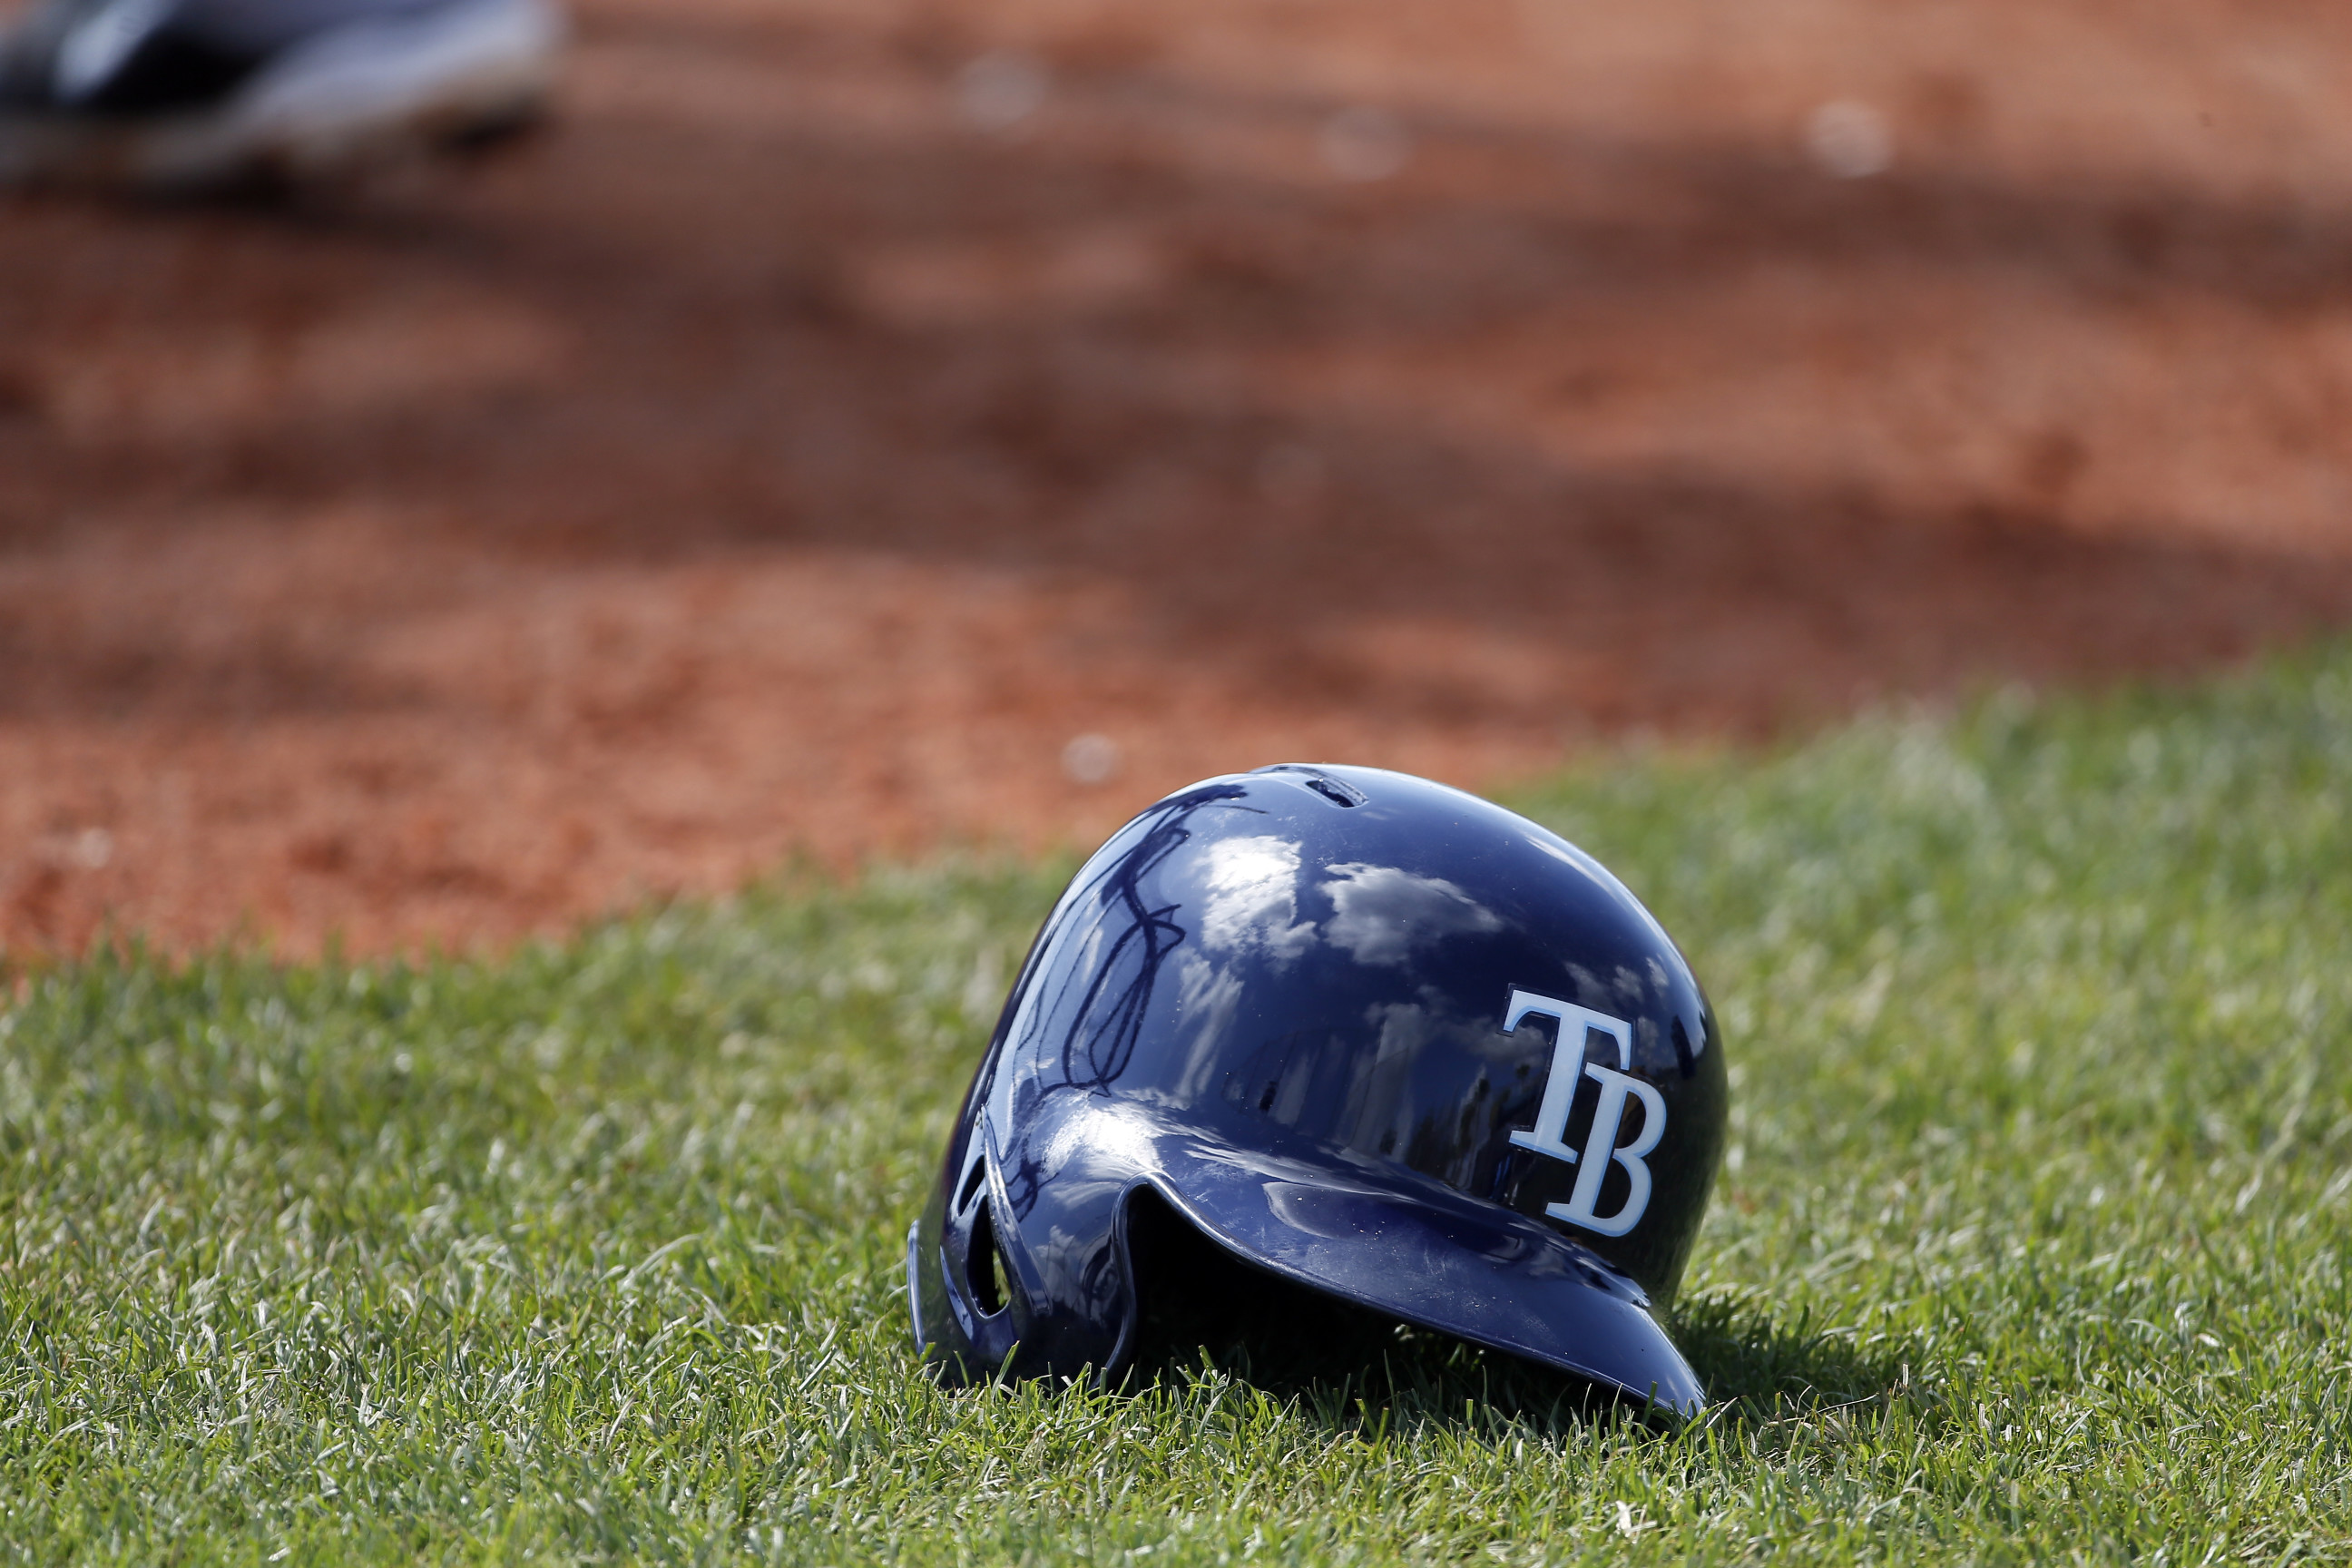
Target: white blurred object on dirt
{"points": [[1850, 139], [998, 90], [1091, 759]]}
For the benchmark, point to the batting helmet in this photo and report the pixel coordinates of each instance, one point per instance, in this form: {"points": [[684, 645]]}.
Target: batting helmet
{"points": [[1361, 1032]]}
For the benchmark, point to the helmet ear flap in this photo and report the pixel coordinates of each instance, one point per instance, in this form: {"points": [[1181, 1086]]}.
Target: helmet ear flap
{"points": [[986, 1278], [979, 1279], [988, 1301]]}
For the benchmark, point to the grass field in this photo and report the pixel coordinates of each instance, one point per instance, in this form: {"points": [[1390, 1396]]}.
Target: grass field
{"points": [[2031, 1244]]}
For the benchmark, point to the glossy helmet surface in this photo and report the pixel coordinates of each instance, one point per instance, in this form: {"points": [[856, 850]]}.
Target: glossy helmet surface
{"points": [[1366, 1034]]}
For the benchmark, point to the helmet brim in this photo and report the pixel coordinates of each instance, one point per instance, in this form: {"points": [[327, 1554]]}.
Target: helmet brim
{"points": [[1384, 1237]]}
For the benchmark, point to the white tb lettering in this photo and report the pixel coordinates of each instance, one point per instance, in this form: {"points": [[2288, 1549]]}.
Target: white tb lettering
{"points": [[1548, 1136]]}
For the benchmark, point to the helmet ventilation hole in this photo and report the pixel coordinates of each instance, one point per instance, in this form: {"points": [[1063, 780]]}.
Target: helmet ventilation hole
{"points": [[1337, 794], [971, 1184], [1345, 796], [984, 1266]]}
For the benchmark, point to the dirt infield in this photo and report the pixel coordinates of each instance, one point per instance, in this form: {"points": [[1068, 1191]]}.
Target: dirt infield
{"points": [[849, 406]]}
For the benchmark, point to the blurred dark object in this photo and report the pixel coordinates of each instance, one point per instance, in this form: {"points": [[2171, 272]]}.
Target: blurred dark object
{"points": [[194, 95]]}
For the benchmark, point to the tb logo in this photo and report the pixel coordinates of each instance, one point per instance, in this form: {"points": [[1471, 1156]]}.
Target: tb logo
{"points": [[1551, 1130]]}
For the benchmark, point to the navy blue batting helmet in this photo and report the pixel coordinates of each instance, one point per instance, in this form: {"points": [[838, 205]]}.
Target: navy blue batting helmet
{"points": [[1361, 1033]]}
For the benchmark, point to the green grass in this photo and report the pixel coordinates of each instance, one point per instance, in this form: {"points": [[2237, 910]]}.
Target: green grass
{"points": [[2032, 1243]]}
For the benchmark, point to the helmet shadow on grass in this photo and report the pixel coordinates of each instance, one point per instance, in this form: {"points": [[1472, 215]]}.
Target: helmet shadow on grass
{"points": [[1761, 1367], [1207, 1313]]}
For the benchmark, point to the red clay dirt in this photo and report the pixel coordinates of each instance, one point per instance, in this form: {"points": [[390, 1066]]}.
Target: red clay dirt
{"points": [[798, 446]]}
